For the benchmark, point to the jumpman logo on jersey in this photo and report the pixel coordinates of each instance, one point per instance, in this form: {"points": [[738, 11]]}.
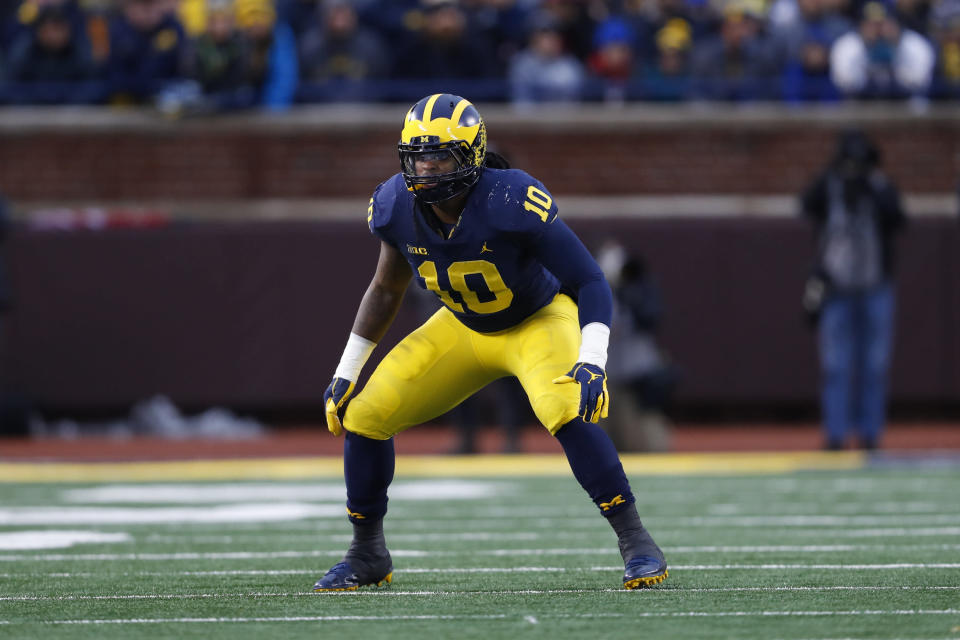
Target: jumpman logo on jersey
{"points": [[593, 376], [485, 249]]}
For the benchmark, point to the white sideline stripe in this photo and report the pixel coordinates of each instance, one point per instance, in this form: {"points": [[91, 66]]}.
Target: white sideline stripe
{"points": [[292, 511], [57, 539], [535, 535], [451, 489], [575, 527], [417, 553], [469, 570], [808, 548], [840, 567], [227, 513], [642, 614], [390, 592], [897, 532], [700, 521], [394, 537], [816, 508]]}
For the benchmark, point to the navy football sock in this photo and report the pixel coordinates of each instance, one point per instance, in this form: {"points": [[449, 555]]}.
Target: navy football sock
{"points": [[368, 470], [596, 465]]}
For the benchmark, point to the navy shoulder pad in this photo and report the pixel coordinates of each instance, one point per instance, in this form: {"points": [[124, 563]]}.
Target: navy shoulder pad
{"points": [[517, 201], [386, 198]]}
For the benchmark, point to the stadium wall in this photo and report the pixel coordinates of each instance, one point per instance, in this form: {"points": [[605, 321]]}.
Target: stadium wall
{"points": [[84, 155], [244, 291], [255, 314]]}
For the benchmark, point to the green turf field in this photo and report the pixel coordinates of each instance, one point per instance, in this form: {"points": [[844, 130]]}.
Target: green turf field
{"points": [[847, 553]]}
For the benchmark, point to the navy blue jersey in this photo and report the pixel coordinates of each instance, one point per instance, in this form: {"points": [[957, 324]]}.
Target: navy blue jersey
{"points": [[490, 271]]}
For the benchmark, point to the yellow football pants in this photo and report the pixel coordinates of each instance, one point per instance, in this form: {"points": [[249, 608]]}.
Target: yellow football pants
{"points": [[442, 363]]}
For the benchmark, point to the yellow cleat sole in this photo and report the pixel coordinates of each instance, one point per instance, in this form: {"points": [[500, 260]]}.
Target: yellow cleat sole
{"points": [[639, 583], [387, 580]]}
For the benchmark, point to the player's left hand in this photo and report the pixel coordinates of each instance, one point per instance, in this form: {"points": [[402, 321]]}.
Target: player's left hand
{"points": [[594, 397], [334, 400]]}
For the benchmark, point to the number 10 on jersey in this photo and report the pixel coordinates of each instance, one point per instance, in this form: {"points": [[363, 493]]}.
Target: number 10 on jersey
{"points": [[457, 274]]}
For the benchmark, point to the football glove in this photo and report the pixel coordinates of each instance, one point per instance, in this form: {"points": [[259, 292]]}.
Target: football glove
{"points": [[334, 400], [594, 397]]}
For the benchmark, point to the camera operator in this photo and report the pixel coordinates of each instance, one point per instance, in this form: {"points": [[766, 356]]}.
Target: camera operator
{"points": [[856, 211]]}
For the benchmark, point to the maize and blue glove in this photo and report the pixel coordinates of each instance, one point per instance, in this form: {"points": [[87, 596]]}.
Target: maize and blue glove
{"points": [[335, 400], [594, 397]]}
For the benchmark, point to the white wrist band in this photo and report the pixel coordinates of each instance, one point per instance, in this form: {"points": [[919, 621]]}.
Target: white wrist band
{"points": [[594, 339], [354, 356]]}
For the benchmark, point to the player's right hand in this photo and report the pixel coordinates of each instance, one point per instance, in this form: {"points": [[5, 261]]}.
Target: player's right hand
{"points": [[334, 400]]}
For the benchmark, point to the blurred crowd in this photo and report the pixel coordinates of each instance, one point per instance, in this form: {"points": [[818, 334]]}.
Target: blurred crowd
{"points": [[227, 54]]}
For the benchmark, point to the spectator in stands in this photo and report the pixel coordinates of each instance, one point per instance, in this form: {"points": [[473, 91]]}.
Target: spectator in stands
{"points": [[147, 51], [576, 21], [945, 29], [613, 60], [301, 15], [50, 62], [856, 212], [338, 55], [218, 60], [811, 21], [446, 48], [193, 16], [650, 17], [667, 75], [806, 77], [17, 18], [272, 64], [881, 59], [544, 72], [503, 23], [738, 64], [913, 15]]}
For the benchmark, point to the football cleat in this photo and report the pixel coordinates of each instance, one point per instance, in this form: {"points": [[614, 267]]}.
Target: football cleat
{"points": [[342, 577], [644, 571]]}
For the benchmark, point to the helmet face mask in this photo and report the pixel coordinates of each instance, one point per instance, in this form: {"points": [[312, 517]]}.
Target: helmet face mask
{"points": [[442, 147]]}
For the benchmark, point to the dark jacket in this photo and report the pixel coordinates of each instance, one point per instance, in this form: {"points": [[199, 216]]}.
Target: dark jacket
{"points": [[881, 194]]}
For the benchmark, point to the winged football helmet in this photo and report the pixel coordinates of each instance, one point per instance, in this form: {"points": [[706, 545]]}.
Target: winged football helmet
{"points": [[445, 135]]}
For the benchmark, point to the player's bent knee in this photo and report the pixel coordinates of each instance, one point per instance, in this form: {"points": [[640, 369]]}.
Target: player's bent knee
{"points": [[365, 420], [555, 410]]}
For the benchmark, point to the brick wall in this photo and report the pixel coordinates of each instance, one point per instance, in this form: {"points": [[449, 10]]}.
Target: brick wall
{"points": [[336, 153]]}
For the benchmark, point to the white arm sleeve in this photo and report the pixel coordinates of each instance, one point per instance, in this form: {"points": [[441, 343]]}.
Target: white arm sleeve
{"points": [[593, 344], [355, 355]]}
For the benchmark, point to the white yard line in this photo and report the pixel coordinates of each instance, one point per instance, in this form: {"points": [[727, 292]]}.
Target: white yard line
{"points": [[830, 567], [480, 513], [641, 614], [419, 553], [241, 537], [582, 522], [475, 570], [893, 532], [481, 593]]}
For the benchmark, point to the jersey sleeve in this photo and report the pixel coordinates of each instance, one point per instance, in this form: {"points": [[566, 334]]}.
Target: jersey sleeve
{"points": [[533, 221], [526, 209], [380, 211], [565, 256]]}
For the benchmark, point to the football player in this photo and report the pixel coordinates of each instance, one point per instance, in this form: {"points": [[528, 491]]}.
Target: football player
{"points": [[522, 297]]}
